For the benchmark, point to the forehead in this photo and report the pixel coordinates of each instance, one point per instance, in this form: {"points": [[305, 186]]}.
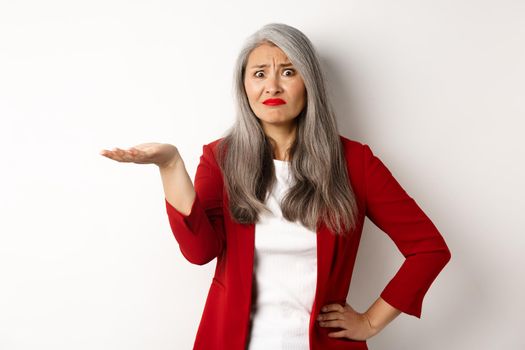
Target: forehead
{"points": [[267, 53]]}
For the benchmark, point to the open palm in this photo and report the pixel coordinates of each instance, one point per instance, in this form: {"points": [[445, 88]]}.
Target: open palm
{"points": [[161, 154]]}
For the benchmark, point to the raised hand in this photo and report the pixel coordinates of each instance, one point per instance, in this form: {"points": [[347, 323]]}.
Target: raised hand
{"points": [[161, 154]]}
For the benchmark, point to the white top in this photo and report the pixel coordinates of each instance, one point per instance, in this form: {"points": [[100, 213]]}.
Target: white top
{"points": [[285, 275]]}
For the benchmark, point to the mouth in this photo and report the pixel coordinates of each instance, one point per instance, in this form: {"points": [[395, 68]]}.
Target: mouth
{"points": [[274, 102]]}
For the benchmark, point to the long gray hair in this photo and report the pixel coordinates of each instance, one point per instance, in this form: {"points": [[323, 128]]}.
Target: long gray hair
{"points": [[321, 189]]}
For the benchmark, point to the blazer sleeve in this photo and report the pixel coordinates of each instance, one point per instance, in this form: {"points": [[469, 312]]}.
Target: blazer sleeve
{"points": [[200, 234], [391, 209]]}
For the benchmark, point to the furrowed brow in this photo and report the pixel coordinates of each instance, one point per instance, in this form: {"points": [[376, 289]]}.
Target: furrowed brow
{"points": [[265, 65]]}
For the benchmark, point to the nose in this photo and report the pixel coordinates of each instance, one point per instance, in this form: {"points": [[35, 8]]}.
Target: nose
{"points": [[273, 85]]}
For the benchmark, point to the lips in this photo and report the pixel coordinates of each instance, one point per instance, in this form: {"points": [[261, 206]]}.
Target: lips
{"points": [[274, 102]]}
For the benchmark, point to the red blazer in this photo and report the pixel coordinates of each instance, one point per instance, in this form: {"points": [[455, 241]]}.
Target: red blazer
{"points": [[208, 232]]}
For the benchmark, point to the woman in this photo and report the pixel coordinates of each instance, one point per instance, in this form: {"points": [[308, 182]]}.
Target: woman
{"points": [[284, 172]]}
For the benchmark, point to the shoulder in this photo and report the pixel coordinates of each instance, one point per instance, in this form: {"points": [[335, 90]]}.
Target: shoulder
{"points": [[210, 151], [361, 159], [359, 156], [354, 150], [212, 146]]}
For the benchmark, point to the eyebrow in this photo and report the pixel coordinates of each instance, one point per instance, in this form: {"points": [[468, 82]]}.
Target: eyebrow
{"points": [[265, 65]]}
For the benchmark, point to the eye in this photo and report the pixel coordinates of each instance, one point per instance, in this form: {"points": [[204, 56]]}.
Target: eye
{"points": [[258, 76], [291, 70]]}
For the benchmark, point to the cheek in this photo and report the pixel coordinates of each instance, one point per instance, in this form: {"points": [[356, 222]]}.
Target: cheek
{"points": [[250, 90], [300, 94], [297, 87]]}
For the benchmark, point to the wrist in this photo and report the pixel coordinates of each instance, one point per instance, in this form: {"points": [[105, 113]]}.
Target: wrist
{"points": [[171, 163], [374, 329]]}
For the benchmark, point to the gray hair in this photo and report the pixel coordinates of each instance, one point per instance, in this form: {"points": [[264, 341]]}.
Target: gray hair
{"points": [[322, 188]]}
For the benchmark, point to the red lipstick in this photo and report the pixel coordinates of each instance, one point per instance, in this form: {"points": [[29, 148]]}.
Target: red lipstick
{"points": [[274, 102]]}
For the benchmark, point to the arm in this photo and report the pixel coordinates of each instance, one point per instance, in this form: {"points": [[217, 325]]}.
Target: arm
{"points": [[380, 314], [391, 209], [195, 211], [178, 188]]}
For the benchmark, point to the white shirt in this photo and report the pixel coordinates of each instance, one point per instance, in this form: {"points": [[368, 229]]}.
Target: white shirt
{"points": [[285, 275]]}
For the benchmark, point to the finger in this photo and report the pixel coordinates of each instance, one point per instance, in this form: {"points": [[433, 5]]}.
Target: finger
{"points": [[127, 156], [334, 315], [136, 152], [124, 155], [107, 151], [339, 334], [333, 307], [118, 151], [111, 155], [116, 154], [333, 324]]}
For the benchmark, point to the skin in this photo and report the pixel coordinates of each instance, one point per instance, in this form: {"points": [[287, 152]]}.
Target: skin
{"points": [[355, 325], [160, 154], [274, 81]]}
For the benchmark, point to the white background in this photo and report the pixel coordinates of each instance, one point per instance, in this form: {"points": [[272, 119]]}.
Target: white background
{"points": [[87, 258]]}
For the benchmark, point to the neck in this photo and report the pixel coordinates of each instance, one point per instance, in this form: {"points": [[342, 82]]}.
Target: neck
{"points": [[282, 138]]}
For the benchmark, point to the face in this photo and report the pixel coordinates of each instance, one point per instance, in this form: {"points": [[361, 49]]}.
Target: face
{"points": [[269, 75]]}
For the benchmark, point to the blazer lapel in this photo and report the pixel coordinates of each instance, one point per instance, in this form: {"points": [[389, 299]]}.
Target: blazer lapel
{"points": [[325, 254], [246, 248]]}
